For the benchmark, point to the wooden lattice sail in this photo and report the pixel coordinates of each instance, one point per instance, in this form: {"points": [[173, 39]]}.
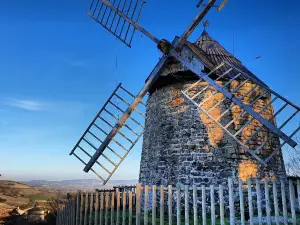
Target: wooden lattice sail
{"points": [[94, 139], [252, 109]]}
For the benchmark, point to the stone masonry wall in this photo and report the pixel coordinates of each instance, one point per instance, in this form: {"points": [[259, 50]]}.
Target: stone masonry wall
{"points": [[183, 146]]}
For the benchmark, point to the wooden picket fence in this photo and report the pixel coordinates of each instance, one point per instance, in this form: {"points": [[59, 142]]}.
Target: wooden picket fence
{"points": [[66, 212], [251, 202]]}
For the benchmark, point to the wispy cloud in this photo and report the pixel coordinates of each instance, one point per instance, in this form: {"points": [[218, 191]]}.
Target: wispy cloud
{"points": [[26, 104], [34, 105]]}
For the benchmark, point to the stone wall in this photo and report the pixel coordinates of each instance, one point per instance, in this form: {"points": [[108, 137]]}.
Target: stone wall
{"points": [[183, 146]]}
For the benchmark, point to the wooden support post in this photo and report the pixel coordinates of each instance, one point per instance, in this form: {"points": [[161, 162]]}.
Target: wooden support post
{"points": [[154, 204]]}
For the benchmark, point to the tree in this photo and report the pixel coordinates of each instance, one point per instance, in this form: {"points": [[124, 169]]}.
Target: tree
{"points": [[292, 162]]}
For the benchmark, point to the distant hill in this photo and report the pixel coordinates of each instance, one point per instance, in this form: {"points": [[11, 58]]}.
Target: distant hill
{"points": [[78, 184], [15, 194]]}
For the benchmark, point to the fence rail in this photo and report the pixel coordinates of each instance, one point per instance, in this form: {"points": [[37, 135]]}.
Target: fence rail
{"points": [[252, 202]]}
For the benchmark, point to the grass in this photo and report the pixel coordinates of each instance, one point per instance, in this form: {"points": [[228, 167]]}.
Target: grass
{"points": [[37, 197]]}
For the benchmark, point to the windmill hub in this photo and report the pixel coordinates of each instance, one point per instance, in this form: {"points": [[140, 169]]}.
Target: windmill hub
{"points": [[165, 46]]}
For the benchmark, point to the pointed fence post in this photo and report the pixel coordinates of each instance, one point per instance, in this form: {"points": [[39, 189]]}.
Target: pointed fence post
{"points": [[186, 205], [112, 209], [250, 201], [292, 201], [86, 208], [162, 203], [195, 204], [231, 202], [138, 204], [221, 197], [154, 204], [170, 197], [268, 209], [212, 205], [242, 205], [130, 208], [77, 208], [258, 195], [146, 205], [91, 208], [96, 208], [74, 212], [178, 211], [203, 205], [276, 209], [101, 208], [283, 199], [124, 208], [118, 206], [106, 207]]}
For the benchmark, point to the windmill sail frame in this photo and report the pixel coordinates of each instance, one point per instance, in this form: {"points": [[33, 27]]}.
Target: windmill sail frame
{"points": [[98, 129], [259, 90]]}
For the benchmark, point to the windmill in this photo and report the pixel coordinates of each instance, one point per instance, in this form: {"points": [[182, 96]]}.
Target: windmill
{"points": [[121, 19]]}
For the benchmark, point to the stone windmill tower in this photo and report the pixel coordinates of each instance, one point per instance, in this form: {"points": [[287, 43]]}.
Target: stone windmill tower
{"points": [[184, 146], [207, 117]]}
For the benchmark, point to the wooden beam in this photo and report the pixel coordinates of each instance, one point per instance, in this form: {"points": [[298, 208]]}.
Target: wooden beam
{"points": [[197, 20]]}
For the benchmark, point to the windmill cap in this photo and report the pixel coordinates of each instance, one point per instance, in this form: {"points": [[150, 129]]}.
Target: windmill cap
{"points": [[217, 54]]}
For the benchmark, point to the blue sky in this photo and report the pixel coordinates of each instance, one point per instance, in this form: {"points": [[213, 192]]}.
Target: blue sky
{"points": [[57, 67]]}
